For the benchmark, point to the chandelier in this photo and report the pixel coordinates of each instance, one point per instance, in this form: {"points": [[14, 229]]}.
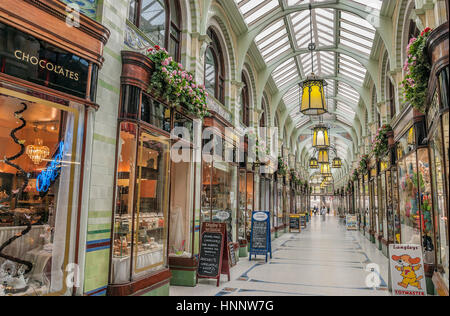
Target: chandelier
{"points": [[313, 98], [38, 152]]}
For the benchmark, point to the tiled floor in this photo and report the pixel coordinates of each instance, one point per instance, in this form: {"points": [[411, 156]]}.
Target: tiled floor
{"points": [[324, 259]]}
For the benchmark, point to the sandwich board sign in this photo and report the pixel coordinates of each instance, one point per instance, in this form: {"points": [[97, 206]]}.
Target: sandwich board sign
{"points": [[214, 254], [294, 223], [260, 237], [352, 222], [407, 270]]}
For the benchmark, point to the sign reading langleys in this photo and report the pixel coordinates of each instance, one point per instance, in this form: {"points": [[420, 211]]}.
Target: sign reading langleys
{"points": [[25, 57]]}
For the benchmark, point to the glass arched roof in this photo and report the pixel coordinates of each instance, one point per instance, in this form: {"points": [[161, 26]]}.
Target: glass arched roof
{"points": [[343, 39]]}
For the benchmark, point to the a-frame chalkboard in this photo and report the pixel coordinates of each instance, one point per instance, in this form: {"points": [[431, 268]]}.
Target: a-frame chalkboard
{"points": [[214, 252], [260, 238]]}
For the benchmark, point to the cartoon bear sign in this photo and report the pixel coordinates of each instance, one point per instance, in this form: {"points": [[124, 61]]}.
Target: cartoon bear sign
{"points": [[407, 271]]}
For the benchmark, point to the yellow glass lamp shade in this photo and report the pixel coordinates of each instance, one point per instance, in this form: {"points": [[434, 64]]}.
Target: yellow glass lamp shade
{"points": [[324, 157], [337, 163], [314, 164], [38, 152], [313, 100], [320, 137], [325, 169]]}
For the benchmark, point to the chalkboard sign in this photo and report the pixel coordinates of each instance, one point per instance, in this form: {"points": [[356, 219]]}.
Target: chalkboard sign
{"points": [[233, 259], [211, 254], [260, 239], [214, 256], [294, 223], [303, 220]]}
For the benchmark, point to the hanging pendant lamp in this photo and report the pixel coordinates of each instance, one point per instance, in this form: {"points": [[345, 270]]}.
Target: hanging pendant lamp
{"points": [[320, 137], [323, 157], [313, 97], [313, 163]]}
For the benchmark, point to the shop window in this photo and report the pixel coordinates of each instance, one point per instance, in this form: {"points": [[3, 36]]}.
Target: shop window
{"points": [[439, 199], [181, 207], [160, 21], [409, 204], [40, 146], [142, 194], [214, 68], [155, 113]]}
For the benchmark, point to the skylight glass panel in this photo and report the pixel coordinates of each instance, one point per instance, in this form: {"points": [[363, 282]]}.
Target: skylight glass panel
{"points": [[375, 4], [273, 41], [356, 33], [352, 69], [285, 73], [327, 63], [255, 10], [323, 27], [292, 98], [345, 120]]}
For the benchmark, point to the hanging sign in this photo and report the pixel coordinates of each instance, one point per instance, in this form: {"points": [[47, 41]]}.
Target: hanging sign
{"points": [[407, 270], [294, 223], [352, 222], [260, 239], [214, 255]]}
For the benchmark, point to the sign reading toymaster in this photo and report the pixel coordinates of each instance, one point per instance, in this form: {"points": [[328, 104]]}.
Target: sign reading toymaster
{"points": [[25, 57]]}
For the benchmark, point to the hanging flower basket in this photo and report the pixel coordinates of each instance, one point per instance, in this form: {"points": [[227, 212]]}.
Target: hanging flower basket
{"points": [[380, 144], [173, 84], [355, 175], [364, 165], [282, 167], [418, 70]]}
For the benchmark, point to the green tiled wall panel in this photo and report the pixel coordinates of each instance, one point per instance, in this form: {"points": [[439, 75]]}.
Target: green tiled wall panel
{"points": [[183, 278], [97, 263]]}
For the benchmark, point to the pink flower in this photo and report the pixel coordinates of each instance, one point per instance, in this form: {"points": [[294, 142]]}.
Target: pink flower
{"points": [[180, 66]]}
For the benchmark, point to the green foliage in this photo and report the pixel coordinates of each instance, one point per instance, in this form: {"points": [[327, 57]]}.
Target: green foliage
{"points": [[418, 69], [176, 86]]}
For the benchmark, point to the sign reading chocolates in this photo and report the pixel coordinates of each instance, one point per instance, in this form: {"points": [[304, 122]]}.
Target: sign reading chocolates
{"points": [[25, 57]]}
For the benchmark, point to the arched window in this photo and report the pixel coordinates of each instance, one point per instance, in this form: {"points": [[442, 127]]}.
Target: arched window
{"points": [[214, 68], [245, 102], [160, 21], [263, 121]]}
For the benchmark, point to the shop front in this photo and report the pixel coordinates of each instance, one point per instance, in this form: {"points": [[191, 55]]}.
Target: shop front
{"points": [[153, 190], [246, 206], [220, 178], [48, 86], [438, 136], [414, 181]]}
